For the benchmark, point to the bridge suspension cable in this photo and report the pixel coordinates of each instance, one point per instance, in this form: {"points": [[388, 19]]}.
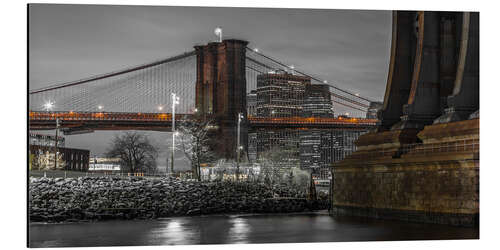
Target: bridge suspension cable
{"points": [[142, 88], [305, 74], [258, 63]]}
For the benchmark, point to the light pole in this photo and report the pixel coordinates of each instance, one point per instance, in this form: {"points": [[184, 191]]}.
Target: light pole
{"points": [[218, 32], [55, 145], [175, 101], [238, 148]]}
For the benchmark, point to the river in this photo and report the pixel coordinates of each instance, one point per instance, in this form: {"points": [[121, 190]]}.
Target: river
{"points": [[228, 229]]}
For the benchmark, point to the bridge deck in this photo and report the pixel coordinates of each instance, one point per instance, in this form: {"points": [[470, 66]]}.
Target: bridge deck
{"points": [[162, 121]]}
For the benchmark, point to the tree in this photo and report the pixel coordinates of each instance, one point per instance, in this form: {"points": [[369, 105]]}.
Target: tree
{"points": [[194, 142], [135, 151], [274, 162]]}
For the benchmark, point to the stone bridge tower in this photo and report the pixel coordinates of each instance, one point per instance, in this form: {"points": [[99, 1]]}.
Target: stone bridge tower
{"points": [[221, 91]]}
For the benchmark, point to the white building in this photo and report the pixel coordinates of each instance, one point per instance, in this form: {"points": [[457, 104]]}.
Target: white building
{"points": [[101, 164]]}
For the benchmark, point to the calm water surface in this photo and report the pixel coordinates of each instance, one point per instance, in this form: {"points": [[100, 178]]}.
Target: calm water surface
{"points": [[227, 229]]}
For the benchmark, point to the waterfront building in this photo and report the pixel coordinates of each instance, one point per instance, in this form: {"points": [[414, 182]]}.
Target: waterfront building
{"points": [[42, 154], [104, 165], [227, 171]]}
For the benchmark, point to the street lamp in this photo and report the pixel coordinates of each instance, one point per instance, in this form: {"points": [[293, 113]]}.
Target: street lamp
{"points": [[218, 32], [48, 106], [55, 144], [175, 101], [239, 147], [160, 108], [100, 107]]}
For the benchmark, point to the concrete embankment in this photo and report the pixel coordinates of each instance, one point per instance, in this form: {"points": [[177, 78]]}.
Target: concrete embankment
{"points": [[101, 198]]}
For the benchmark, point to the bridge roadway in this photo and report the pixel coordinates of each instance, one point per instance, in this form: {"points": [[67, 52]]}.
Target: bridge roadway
{"points": [[75, 121]]}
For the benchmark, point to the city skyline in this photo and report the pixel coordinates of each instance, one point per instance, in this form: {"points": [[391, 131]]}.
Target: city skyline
{"points": [[78, 41]]}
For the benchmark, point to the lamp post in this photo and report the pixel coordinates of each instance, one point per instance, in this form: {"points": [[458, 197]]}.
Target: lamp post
{"points": [[238, 148], [55, 144], [175, 101]]}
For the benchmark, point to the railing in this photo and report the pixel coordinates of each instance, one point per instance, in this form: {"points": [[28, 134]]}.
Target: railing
{"points": [[119, 116], [311, 120], [85, 116], [462, 145]]}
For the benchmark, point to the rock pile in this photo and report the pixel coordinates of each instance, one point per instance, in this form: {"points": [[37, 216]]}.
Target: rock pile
{"points": [[100, 198]]}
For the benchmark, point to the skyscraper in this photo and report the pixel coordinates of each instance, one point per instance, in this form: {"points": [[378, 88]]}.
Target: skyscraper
{"points": [[281, 94], [317, 101]]}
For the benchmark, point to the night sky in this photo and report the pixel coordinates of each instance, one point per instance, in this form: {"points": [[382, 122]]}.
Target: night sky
{"points": [[66, 42]]}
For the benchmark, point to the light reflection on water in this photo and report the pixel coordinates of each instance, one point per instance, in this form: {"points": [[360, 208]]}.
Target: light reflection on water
{"points": [[223, 229], [239, 231], [174, 232]]}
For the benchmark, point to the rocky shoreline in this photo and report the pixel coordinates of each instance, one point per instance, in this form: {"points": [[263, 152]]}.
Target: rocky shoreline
{"points": [[105, 198]]}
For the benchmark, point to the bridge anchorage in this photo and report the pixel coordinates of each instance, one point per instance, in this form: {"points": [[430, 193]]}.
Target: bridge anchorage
{"points": [[422, 163]]}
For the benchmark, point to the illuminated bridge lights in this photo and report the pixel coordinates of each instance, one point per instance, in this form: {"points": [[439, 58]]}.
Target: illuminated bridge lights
{"points": [[46, 120]]}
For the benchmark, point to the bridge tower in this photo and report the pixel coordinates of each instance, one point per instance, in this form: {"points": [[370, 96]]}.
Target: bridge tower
{"points": [[221, 91]]}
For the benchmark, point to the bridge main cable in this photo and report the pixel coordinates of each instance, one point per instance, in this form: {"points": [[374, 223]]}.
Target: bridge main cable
{"points": [[305, 74], [111, 74]]}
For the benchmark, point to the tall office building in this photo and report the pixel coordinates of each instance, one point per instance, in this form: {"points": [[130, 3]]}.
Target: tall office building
{"points": [[283, 94], [317, 101], [280, 94], [252, 103]]}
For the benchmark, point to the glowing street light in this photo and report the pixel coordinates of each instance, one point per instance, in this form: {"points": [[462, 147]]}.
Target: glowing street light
{"points": [[325, 81], [160, 108], [48, 106], [256, 50], [100, 107], [239, 147], [175, 101], [218, 32]]}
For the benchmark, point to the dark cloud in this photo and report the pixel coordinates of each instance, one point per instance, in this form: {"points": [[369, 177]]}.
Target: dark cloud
{"points": [[347, 47]]}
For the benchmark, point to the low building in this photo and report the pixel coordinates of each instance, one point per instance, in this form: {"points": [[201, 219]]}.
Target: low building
{"points": [[227, 171], [46, 140], [104, 165], [72, 159]]}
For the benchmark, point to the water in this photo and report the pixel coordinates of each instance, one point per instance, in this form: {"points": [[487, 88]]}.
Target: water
{"points": [[230, 229]]}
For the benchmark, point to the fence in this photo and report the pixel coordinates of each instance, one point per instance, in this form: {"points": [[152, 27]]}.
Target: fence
{"points": [[462, 145]]}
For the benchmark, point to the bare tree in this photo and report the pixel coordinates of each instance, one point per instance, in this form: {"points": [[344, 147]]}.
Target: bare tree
{"points": [[274, 163], [194, 140], [136, 152]]}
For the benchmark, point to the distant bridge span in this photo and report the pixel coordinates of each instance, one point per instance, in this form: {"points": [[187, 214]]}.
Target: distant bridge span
{"points": [[79, 121]]}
